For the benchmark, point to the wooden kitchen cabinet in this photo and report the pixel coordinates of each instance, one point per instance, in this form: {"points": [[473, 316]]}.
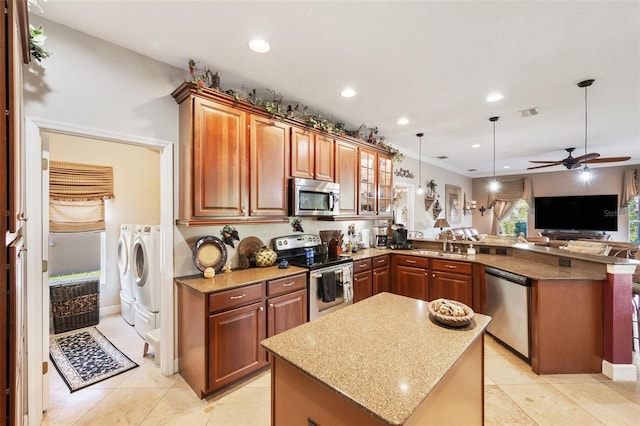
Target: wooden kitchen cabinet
{"points": [[375, 183], [312, 155], [411, 276], [269, 166], [286, 304], [362, 280], [346, 174], [451, 280], [380, 276], [234, 344]]}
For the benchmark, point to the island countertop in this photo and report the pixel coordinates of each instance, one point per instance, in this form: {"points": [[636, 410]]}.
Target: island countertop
{"points": [[385, 353]]}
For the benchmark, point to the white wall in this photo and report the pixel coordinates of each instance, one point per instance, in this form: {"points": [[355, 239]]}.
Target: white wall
{"points": [[136, 186], [605, 180]]}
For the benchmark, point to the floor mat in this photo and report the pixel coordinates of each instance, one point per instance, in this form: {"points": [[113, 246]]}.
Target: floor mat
{"points": [[84, 357]]}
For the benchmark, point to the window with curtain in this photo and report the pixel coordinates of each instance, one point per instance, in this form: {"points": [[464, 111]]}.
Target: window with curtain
{"points": [[76, 196], [516, 220], [634, 220]]}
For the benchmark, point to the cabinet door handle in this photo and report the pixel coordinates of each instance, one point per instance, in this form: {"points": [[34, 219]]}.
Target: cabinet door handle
{"points": [[363, 265], [412, 261], [380, 260], [237, 297], [450, 266], [261, 308], [288, 284], [434, 275], [271, 305]]}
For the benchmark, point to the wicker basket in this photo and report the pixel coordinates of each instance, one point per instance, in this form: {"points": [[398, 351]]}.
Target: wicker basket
{"points": [[449, 320], [74, 305]]}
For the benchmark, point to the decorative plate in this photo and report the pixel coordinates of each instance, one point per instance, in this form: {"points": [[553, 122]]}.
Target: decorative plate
{"points": [[248, 246], [450, 312], [210, 252]]}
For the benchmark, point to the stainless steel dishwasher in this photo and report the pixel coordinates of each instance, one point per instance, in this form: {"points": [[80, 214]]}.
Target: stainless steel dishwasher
{"points": [[509, 305]]}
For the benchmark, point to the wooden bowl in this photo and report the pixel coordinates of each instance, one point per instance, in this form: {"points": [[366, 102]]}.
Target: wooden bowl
{"points": [[450, 320]]}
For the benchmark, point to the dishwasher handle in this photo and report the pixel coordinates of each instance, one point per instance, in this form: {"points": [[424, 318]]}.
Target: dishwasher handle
{"points": [[509, 276]]}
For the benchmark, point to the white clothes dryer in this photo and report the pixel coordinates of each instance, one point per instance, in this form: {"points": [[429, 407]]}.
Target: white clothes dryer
{"points": [[146, 277], [127, 293]]}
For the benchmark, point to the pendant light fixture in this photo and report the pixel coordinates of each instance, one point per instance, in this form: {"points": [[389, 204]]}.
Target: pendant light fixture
{"points": [[585, 174], [494, 185], [420, 189]]}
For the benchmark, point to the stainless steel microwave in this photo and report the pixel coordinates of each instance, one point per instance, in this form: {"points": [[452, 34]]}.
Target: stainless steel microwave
{"points": [[308, 197]]}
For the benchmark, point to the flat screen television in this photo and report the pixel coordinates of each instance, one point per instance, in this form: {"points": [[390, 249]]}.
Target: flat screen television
{"points": [[577, 212]]}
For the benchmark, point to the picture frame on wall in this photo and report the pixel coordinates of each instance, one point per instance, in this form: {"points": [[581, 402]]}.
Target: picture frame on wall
{"points": [[453, 204]]}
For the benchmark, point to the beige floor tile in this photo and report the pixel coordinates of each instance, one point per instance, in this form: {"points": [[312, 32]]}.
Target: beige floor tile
{"points": [[603, 403], [147, 375], [569, 378], [178, 407], [630, 390], [66, 408], [248, 406], [509, 369], [123, 406], [499, 409], [546, 405]]}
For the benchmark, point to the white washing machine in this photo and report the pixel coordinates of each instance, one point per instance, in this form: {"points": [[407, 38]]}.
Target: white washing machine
{"points": [[127, 293], [145, 274]]}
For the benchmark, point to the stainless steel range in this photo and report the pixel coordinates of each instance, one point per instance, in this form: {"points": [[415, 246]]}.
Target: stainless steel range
{"points": [[330, 278]]}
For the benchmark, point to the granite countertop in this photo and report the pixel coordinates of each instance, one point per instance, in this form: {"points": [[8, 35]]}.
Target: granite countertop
{"points": [[239, 278], [384, 353]]}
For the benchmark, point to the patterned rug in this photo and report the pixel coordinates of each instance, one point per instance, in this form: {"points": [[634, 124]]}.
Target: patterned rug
{"points": [[84, 357]]}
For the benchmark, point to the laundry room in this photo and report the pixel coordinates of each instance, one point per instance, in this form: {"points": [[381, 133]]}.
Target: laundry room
{"points": [[90, 250]]}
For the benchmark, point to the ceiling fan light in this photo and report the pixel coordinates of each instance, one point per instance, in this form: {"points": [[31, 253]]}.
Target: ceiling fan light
{"points": [[585, 174]]}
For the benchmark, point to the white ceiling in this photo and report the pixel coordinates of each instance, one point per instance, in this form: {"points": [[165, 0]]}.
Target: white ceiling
{"points": [[431, 61]]}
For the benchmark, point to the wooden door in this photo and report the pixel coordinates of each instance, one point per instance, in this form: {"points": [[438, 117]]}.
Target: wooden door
{"points": [[219, 161], [324, 158], [381, 280], [362, 287], [269, 152], [286, 311], [451, 286], [411, 282], [234, 344], [302, 153], [346, 175]]}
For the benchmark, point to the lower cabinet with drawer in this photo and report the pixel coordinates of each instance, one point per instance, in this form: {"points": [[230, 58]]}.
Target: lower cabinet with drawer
{"points": [[380, 276], [451, 280], [219, 333], [362, 287], [411, 276]]}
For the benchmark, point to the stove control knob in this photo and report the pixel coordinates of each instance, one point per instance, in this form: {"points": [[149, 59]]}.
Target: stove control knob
{"points": [[286, 242]]}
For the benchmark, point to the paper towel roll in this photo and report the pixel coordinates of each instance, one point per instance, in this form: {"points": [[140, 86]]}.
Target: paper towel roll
{"points": [[365, 237]]}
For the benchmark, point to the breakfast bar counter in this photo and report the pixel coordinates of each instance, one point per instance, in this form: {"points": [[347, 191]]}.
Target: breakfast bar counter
{"points": [[382, 361]]}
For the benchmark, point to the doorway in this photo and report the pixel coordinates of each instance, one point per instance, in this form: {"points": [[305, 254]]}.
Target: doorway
{"points": [[404, 205], [36, 148]]}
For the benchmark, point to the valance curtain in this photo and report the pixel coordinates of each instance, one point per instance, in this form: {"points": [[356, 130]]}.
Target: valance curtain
{"points": [[513, 190], [76, 196], [630, 187]]}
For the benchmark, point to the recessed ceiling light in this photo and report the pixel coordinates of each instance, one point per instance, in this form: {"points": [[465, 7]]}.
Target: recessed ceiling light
{"points": [[475, 145], [506, 167], [402, 121], [259, 45], [494, 97], [348, 93]]}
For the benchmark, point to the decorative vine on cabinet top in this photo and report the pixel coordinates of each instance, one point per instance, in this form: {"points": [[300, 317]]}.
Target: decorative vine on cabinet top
{"points": [[236, 159]]}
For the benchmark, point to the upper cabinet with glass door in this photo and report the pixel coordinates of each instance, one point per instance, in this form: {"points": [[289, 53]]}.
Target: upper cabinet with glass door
{"points": [[376, 186], [385, 185]]}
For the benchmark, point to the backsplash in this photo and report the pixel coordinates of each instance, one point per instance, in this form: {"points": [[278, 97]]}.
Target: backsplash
{"points": [[185, 238]]}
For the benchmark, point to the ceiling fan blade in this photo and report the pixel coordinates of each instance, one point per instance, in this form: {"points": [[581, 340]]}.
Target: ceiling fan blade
{"points": [[607, 160], [557, 163], [587, 157], [546, 162]]}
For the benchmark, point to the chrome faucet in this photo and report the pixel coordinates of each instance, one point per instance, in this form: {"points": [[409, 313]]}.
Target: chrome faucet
{"points": [[445, 238]]}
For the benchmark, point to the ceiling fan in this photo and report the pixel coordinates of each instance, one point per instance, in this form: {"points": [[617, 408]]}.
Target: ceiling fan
{"points": [[574, 162]]}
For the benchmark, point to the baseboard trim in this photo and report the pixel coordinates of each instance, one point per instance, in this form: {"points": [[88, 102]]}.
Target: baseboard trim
{"points": [[619, 372], [109, 310]]}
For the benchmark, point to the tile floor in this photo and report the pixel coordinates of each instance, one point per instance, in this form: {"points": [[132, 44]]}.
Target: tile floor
{"points": [[514, 395]]}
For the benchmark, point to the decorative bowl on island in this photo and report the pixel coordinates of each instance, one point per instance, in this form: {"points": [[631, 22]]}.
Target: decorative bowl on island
{"points": [[450, 312]]}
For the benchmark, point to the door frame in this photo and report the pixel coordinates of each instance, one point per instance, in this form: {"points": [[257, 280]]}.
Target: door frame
{"points": [[36, 241]]}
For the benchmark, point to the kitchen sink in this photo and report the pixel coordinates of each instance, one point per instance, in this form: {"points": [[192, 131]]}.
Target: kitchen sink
{"points": [[440, 254], [427, 252], [453, 255]]}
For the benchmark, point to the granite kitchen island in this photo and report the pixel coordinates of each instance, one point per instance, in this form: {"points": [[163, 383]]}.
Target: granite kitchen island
{"points": [[382, 361]]}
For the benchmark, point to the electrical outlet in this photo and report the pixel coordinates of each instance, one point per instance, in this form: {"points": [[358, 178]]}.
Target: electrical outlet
{"points": [[564, 261]]}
